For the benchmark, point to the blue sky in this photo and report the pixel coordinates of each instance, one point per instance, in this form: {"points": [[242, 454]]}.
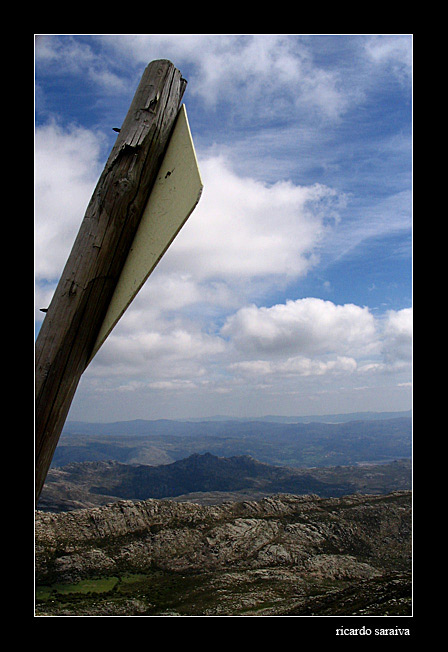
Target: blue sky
{"points": [[289, 290]]}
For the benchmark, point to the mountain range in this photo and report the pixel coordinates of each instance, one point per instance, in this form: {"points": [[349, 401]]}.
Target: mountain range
{"points": [[209, 479], [283, 444]]}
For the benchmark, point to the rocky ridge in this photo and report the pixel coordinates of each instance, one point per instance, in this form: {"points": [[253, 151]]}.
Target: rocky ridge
{"points": [[282, 555]]}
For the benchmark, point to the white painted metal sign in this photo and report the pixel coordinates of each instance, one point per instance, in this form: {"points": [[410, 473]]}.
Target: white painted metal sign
{"points": [[173, 198]]}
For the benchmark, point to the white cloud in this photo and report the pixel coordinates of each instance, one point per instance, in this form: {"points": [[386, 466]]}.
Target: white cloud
{"points": [[242, 234], [66, 171], [304, 338], [271, 73], [397, 336], [247, 235], [294, 367], [393, 52], [243, 228], [275, 359], [303, 327], [64, 52], [174, 353], [67, 55], [314, 338]]}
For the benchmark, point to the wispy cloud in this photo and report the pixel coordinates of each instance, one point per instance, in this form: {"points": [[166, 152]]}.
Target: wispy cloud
{"points": [[65, 55], [392, 52]]}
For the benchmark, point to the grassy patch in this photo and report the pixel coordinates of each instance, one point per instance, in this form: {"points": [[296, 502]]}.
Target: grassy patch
{"points": [[90, 586]]}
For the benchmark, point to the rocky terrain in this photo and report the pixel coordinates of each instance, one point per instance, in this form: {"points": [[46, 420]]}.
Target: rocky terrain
{"points": [[284, 555]]}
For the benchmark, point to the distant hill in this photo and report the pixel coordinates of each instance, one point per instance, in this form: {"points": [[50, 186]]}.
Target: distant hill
{"points": [[282, 444], [135, 426], [210, 479], [313, 418]]}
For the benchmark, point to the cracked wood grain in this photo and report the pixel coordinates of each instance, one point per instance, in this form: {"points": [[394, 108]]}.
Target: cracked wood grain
{"points": [[81, 299]]}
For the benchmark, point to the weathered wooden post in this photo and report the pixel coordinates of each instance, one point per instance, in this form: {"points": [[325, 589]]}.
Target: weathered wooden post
{"points": [[73, 320]]}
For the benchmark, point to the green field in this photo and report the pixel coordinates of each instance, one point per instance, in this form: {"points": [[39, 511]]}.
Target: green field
{"points": [[101, 585], [154, 591]]}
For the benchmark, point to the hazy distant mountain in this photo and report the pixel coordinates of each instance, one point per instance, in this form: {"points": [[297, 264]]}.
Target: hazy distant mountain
{"points": [[145, 425], [284, 444], [319, 418]]}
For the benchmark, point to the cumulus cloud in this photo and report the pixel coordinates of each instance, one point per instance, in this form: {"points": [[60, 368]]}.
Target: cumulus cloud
{"points": [[397, 336], [66, 171], [241, 229], [305, 326], [244, 228], [314, 338], [294, 367], [173, 353], [300, 348], [186, 329], [311, 337]]}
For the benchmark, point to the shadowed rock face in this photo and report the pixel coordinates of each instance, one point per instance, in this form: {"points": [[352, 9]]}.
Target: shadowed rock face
{"points": [[210, 479], [282, 555]]}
